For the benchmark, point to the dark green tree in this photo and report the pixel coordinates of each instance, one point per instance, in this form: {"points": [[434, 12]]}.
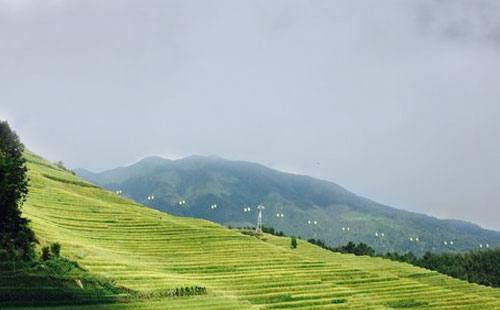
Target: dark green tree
{"points": [[45, 253], [55, 249], [15, 235], [293, 242], [364, 249]]}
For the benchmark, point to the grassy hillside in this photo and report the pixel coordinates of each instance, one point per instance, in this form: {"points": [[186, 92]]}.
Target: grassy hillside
{"points": [[54, 282], [232, 185], [151, 252]]}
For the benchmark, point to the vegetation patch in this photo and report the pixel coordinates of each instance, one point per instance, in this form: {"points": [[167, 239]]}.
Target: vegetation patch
{"points": [[40, 162], [61, 166], [79, 183], [175, 292], [479, 267], [422, 275], [57, 281], [404, 304]]}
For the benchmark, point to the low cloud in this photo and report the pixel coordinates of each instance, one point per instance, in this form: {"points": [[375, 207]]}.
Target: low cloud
{"points": [[394, 100]]}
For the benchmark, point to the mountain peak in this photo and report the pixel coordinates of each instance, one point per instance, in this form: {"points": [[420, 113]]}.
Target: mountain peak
{"points": [[153, 159], [203, 158]]}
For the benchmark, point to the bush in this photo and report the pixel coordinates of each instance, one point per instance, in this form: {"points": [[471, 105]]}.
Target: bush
{"points": [[293, 242], [411, 303], [351, 247], [55, 249], [187, 291], [45, 253], [272, 231]]}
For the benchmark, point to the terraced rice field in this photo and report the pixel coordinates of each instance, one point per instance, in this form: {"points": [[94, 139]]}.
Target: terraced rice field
{"points": [[146, 250]]}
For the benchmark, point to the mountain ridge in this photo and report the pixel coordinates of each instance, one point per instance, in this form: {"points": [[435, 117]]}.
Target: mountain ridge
{"points": [[232, 185], [83, 171]]}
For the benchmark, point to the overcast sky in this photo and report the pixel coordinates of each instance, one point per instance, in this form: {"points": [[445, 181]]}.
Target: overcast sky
{"points": [[398, 101]]}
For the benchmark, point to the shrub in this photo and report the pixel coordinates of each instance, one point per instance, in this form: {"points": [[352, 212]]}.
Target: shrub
{"points": [[411, 303], [272, 231], [45, 253], [350, 247], [185, 291], [293, 242], [55, 249]]}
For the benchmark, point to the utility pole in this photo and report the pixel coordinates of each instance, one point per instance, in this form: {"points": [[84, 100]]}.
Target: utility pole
{"points": [[259, 219]]}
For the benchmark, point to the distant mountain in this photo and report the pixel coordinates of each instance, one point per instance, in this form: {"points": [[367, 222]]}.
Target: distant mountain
{"points": [[219, 190]]}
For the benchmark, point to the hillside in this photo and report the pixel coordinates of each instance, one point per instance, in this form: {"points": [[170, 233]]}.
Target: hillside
{"points": [[300, 201], [151, 252]]}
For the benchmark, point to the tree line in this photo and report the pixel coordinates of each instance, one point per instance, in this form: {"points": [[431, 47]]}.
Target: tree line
{"points": [[481, 267], [16, 238]]}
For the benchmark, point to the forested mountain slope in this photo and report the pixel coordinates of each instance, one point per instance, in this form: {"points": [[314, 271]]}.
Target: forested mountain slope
{"points": [[294, 203]]}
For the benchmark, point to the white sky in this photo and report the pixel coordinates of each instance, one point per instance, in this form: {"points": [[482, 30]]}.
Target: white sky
{"points": [[398, 101]]}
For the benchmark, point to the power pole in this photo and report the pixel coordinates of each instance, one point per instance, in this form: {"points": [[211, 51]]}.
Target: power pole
{"points": [[259, 219]]}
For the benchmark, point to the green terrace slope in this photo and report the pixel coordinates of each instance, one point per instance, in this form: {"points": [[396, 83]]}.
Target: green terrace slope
{"points": [[149, 251]]}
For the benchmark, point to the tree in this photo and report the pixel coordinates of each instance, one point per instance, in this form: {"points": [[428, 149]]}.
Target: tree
{"points": [[55, 249], [293, 242], [45, 253], [364, 249], [15, 234]]}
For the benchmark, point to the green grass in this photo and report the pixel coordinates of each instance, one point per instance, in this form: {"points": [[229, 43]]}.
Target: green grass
{"points": [[54, 282], [406, 304], [147, 251]]}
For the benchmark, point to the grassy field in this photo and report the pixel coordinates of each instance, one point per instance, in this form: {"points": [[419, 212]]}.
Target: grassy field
{"points": [[151, 252]]}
